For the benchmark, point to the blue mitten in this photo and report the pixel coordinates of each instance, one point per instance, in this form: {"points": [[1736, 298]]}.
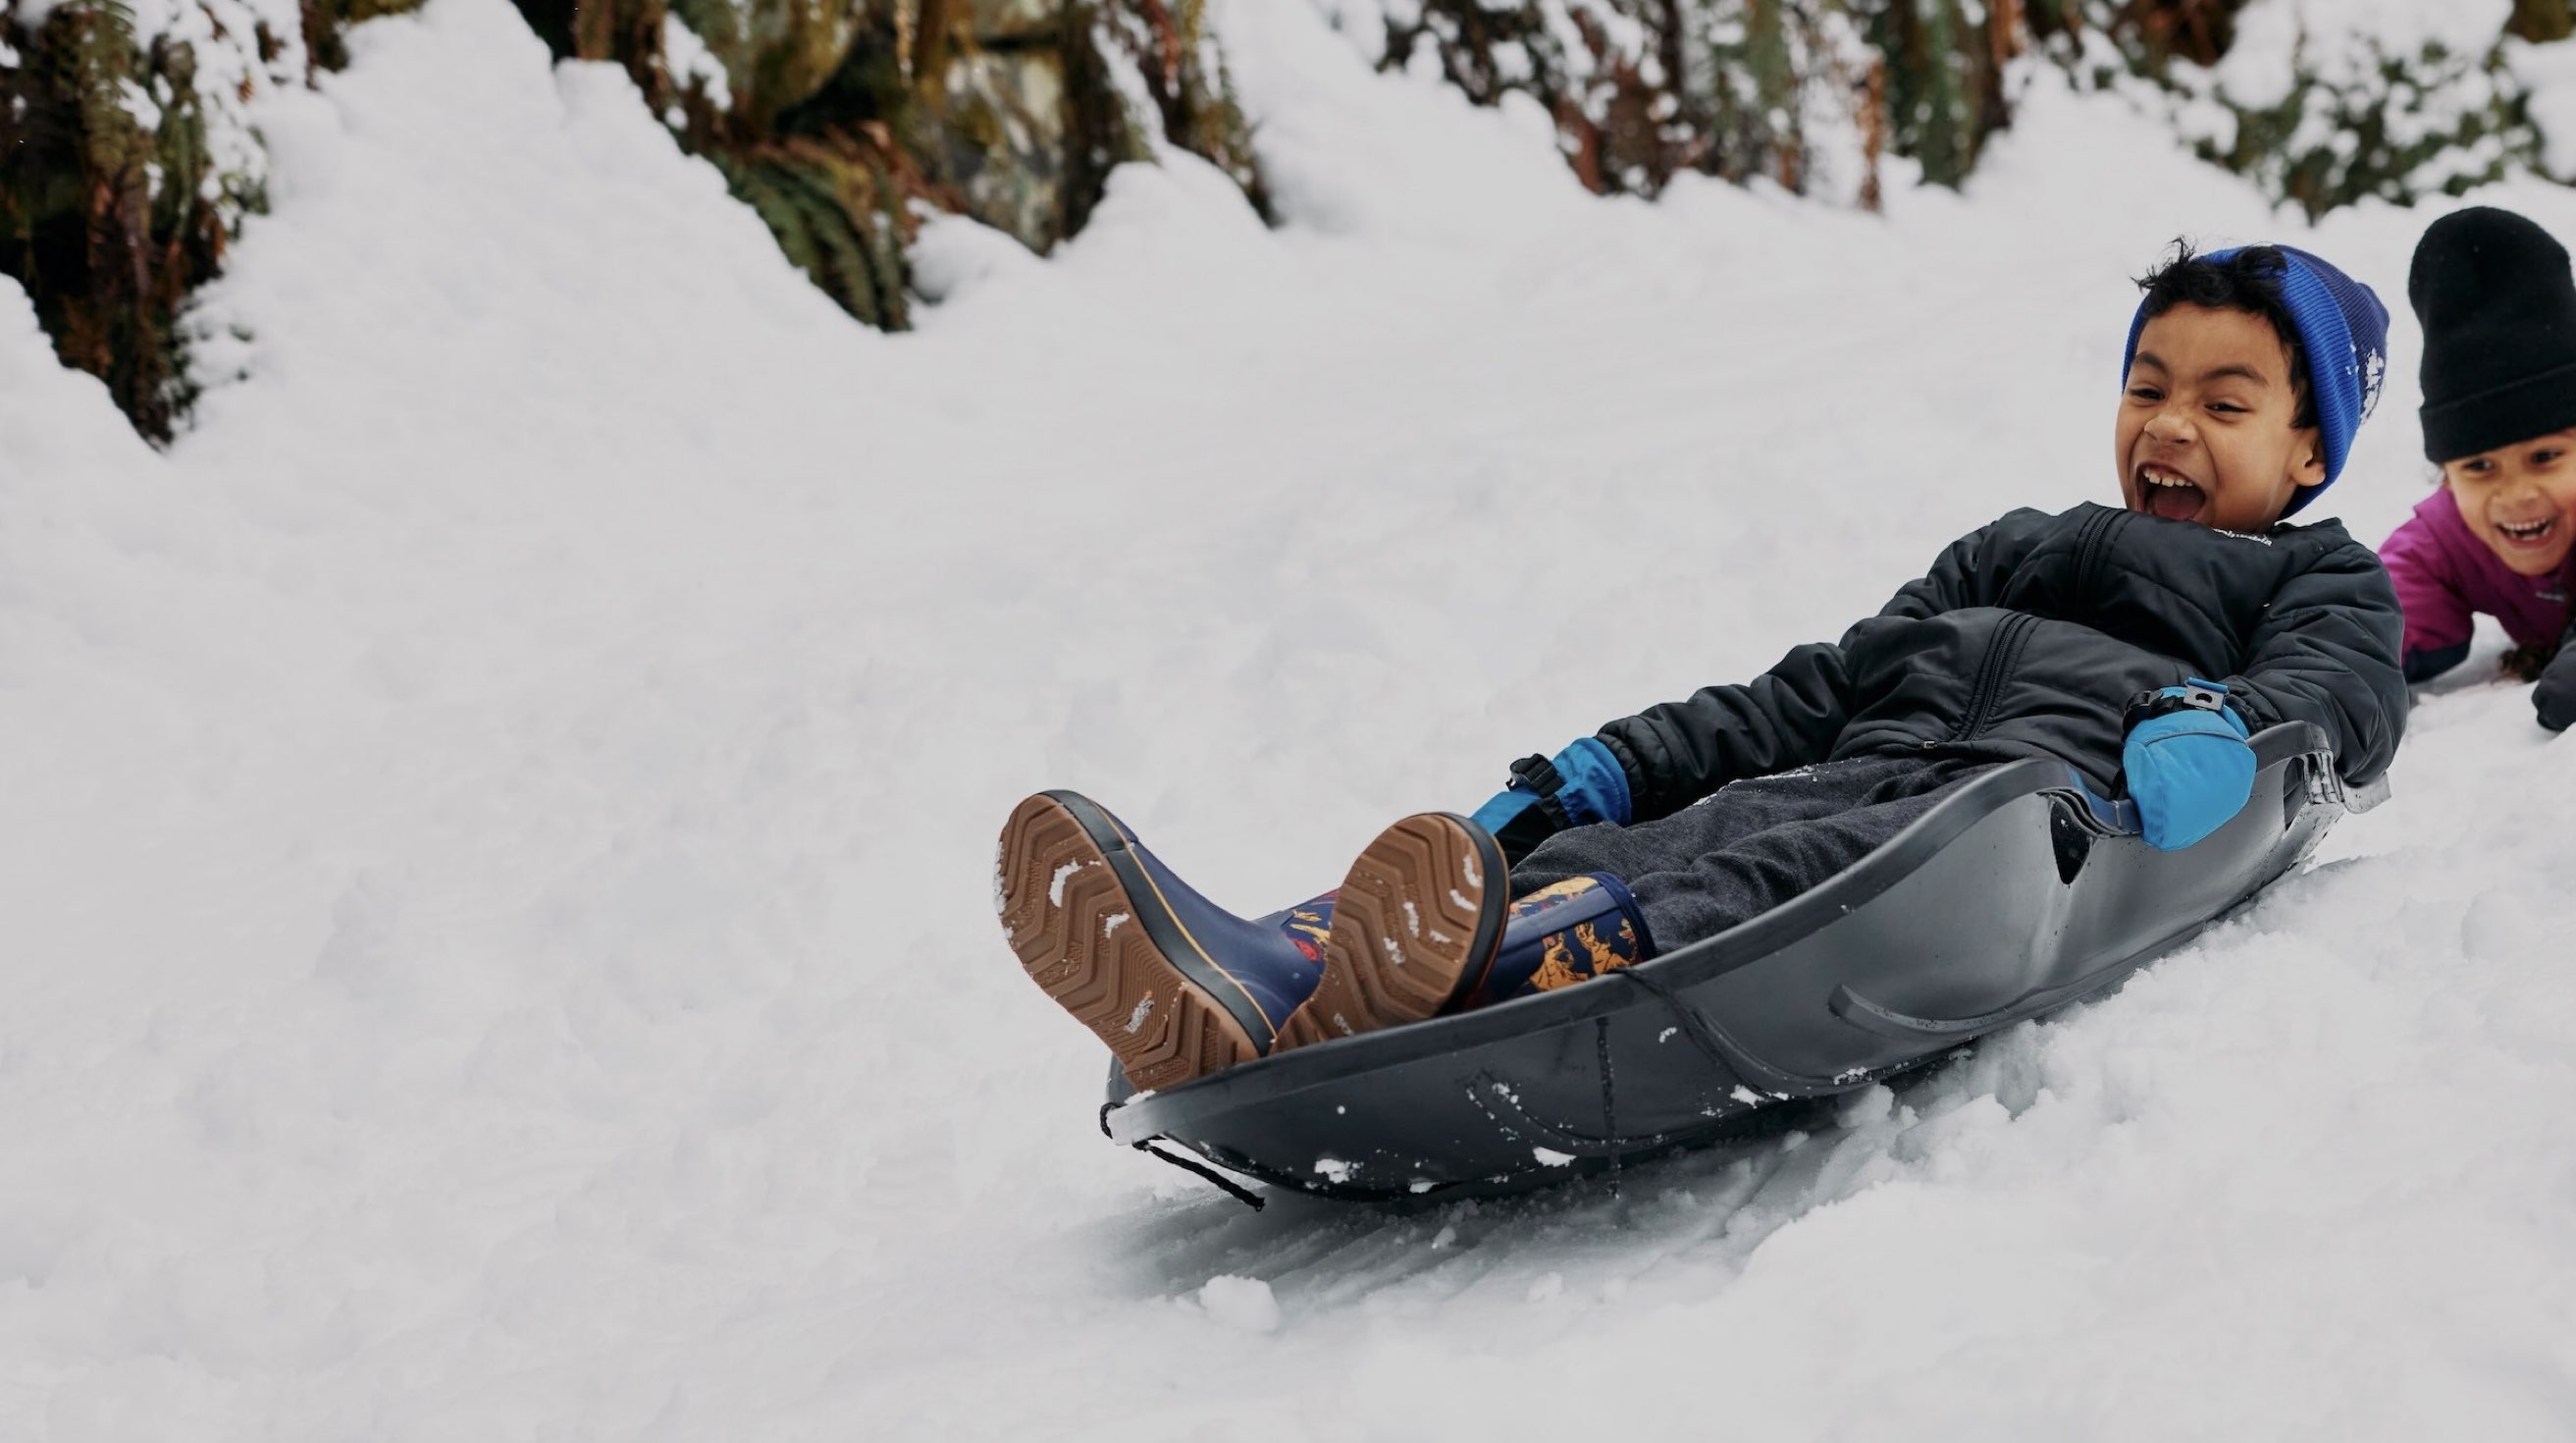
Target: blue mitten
{"points": [[1579, 785], [2187, 763]]}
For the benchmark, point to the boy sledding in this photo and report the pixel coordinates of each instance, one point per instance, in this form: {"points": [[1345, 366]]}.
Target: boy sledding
{"points": [[2139, 645]]}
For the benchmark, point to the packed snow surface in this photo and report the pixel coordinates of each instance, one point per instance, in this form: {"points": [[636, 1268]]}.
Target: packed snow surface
{"points": [[496, 895]]}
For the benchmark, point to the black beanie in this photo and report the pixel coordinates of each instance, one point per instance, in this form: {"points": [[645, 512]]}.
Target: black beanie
{"points": [[2499, 314]]}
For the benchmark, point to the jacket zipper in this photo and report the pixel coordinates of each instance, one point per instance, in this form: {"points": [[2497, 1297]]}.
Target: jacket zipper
{"points": [[2089, 550], [1990, 677], [2090, 545]]}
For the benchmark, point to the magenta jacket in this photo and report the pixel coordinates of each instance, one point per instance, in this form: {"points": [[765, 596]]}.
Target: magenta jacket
{"points": [[2445, 576]]}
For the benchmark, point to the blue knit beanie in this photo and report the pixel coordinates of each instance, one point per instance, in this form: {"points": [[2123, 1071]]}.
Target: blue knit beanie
{"points": [[2343, 335]]}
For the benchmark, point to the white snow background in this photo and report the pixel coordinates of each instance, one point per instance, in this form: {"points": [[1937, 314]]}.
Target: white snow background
{"points": [[496, 889]]}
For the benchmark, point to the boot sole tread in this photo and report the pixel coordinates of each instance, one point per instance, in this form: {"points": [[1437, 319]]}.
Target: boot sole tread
{"points": [[1079, 936], [1410, 936]]}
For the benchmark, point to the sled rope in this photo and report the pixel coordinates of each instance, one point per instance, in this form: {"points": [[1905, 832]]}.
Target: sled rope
{"points": [[1243, 1195], [1694, 1026], [1609, 1095], [1240, 1194]]}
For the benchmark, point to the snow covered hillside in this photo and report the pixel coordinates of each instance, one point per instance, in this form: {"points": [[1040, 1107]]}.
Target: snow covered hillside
{"points": [[495, 901]]}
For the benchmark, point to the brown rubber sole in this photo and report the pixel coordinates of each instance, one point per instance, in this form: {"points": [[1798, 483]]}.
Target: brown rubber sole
{"points": [[1082, 939], [1413, 933]]}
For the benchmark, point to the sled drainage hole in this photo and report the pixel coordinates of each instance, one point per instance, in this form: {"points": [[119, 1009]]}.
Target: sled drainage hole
{"points": [[2067, 837]]}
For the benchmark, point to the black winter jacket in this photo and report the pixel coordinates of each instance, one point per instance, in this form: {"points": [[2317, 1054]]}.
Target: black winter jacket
{"points": [[2029, 637]]}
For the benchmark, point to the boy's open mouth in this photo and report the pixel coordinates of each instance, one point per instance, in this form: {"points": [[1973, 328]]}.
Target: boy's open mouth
{"points": [[2529, 533], [2169, 494]]}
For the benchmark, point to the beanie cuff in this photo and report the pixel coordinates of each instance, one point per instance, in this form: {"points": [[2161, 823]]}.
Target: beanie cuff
{"points": [[2531, 406]]}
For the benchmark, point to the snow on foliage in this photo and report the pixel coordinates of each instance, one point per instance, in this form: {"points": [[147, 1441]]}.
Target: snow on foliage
{"points": [[2326, 102], [2322, 102], [128, 158], [500, 812]]}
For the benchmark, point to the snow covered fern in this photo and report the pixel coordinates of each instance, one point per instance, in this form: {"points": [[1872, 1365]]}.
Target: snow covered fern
{"points": [[1807, 93], [2322, 102], [126, 162], [2326, 102]]}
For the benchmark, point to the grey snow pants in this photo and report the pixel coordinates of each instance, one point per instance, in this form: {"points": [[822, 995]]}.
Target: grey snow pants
{"points": [[1752, 844]]}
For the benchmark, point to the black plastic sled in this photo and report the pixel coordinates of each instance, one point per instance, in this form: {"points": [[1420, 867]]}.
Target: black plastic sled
{"points": [[2019, 893]]}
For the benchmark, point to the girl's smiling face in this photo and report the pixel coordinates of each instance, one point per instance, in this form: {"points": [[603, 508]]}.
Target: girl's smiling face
{"points": [[2520, 500]]}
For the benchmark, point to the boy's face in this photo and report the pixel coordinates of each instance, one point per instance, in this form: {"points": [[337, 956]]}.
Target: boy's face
{"points": [[2520, 500], [2204, 432]]}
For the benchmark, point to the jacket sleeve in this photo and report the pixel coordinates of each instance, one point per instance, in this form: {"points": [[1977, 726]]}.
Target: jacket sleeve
{"points": [[2327, 652], [1792, 715], [2555, 697], [1971, 571], [2439, 619], [1681, 751]]}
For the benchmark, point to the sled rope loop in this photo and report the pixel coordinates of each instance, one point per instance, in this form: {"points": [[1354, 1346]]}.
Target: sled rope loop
{"points": [[1694, 1027], [1239, 1193], [1609, 1094]]}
